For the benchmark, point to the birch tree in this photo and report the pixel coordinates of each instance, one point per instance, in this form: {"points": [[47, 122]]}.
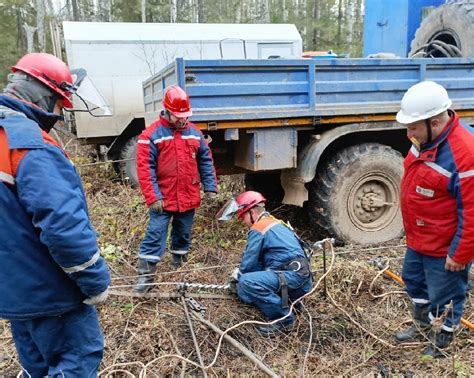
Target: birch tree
{"points": [[40, 13], [173, 10], [29, 34], [143, 8]]}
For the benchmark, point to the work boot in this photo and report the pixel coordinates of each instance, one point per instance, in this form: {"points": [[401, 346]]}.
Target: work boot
{"points": [[439, 341], [178, 260], [421, 325], [273, 329], [148, 269]]}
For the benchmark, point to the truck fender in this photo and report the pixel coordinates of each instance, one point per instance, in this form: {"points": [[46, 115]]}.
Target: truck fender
{"points": [[293, 180]]}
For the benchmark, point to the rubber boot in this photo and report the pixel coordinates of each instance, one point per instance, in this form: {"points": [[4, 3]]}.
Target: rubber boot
{"points": [[273, 329], [178, 260], [148, 269], [439, 341], [421, 325]]}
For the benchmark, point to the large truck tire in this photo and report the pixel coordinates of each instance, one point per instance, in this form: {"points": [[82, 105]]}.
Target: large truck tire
{"points": [[452, 24], [128, 166], [355, 195]]}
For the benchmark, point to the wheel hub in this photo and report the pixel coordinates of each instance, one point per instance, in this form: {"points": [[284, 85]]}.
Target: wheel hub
{"points": [[372, 202]]}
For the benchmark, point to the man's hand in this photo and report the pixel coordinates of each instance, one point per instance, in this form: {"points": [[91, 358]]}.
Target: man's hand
{"points": [[96, 299], [234, 281], [209, 196], [235, 274], [157, 206], [233, 286], [453, 266]]}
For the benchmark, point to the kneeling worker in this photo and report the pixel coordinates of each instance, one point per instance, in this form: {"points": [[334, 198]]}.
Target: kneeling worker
{"points": [[274, 267]]}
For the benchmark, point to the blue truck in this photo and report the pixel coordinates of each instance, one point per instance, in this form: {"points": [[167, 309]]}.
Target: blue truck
{"points": [[321, 133]]}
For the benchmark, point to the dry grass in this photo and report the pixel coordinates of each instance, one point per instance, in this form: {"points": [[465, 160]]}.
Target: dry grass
{"points": [[348, 332]]}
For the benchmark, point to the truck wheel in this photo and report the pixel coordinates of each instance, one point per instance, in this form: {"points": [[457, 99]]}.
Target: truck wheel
{"points": [[355, 194], [128, 167], [452, 25]]}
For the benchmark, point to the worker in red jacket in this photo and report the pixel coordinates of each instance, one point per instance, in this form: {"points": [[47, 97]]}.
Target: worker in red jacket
{"points": [[437, 201], [173, 160]]}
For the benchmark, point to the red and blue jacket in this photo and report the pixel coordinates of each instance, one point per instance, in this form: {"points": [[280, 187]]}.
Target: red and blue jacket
{"points": [[49, 258], [172, 164], [437, 194]]}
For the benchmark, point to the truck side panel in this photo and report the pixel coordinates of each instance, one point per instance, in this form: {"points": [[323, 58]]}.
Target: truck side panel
{"points": [[238, 90]]}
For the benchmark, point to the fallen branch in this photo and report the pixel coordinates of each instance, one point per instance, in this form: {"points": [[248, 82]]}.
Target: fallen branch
{"points": [[251, 356]]}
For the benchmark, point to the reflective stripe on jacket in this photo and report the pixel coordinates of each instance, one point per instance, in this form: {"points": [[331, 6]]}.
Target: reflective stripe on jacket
{"points": [[437, 195], [172, 164], [48, 252]]}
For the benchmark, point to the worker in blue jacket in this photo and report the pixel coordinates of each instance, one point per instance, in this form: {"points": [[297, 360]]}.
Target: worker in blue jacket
{"points": [[51, 271], [274, 268]]}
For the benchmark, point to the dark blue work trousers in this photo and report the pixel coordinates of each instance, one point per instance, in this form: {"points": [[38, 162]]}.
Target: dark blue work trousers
{"points": [[153, 245], [262, 289], [68, 345], [430, 284]]}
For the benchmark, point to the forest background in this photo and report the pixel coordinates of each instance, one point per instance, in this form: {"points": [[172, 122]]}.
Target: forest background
{"points": [[25, 25]]}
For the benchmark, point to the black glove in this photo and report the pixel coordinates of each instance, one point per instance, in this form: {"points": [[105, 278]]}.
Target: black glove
{"points": [[233, 285]]}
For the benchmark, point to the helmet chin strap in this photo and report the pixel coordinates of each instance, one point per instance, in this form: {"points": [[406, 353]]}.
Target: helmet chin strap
{"points": [[428, 130]]}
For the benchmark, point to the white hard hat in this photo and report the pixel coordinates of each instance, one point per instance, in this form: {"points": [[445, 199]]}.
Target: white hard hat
{"points": [[422, 101]]}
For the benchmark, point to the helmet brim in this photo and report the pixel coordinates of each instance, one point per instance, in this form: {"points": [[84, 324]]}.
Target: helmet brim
{"points": [[406, 119], [186, 114]]}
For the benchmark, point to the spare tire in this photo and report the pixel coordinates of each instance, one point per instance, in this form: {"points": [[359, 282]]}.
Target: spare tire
{"points": [[446, 31], [128, 165]]}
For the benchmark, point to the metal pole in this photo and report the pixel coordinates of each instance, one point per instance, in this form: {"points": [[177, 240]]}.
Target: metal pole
{"points": [[325, 290]]}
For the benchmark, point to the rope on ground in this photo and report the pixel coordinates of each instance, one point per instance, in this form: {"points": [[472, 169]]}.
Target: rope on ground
{"points": [[310, 321], [121, 364], [384, 294], [256, 322]]}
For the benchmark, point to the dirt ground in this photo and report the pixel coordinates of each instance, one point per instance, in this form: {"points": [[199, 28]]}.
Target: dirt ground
{"points": [[345, 327]]}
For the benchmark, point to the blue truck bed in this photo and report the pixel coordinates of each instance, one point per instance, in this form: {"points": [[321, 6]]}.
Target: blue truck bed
{"points": [[252, 90]]}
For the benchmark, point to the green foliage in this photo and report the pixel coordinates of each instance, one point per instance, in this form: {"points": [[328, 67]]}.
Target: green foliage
{"points": [[425, 359], [323, 24], [12, 15], [460, 368]]}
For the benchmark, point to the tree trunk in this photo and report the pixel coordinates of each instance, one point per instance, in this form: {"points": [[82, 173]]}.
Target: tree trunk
{"points": [[201, 11], [340, 20], [75, 11], [40, 11], [350, 19], [317, 27], [264, 11], [284, 11], [29, 33], [143, 10], [173, 10]]}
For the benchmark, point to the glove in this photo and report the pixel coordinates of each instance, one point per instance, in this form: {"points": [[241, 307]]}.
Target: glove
{"points": [[209, 196], [157, 206], [233, 286], [96, 299], [234, 281], [235, 274]]}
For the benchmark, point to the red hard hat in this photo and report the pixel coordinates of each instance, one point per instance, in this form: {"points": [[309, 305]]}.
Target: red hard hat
{"points": [[248, 200], [176, 101], [49, 70]]}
